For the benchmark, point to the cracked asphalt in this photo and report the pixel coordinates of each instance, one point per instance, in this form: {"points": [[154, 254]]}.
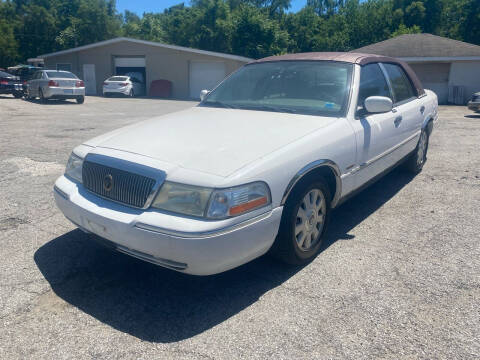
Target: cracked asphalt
{"points": [[398, 277]]}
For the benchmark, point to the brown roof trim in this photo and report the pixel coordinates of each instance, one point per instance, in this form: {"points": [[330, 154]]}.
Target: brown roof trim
{"points": [[350, 57]]}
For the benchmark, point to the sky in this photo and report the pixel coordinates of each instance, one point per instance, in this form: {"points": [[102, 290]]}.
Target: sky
{"points": [[141, 6]]}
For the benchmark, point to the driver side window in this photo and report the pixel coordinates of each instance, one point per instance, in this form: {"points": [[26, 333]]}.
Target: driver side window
{"points": [[372, 83]]}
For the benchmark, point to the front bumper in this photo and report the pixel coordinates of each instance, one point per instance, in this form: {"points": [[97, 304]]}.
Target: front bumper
{"points": [[474, 106], [158, 237], [63, 93]]}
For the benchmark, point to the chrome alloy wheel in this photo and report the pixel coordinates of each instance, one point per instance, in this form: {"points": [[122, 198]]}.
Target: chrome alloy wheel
{"points": [[422, 148], [310, 219]]}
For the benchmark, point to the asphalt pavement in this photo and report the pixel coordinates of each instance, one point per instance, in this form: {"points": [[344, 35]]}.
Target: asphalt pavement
{"points": [[398, 277]]}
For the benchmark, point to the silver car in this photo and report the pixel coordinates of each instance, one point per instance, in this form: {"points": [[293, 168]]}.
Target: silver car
{"points": [[54, 84]]}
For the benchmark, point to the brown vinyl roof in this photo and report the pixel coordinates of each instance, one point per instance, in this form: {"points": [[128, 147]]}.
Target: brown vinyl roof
{"points": [[421, 45], [349, 57]]}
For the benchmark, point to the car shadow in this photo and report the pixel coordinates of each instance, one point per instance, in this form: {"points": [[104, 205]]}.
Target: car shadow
{"points": [[53, 102], [159, 305], [473, 116]]}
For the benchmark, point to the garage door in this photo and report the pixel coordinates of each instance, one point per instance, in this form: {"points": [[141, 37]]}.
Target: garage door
{"points": [[205, 75], [130, 61], [434, 76]]}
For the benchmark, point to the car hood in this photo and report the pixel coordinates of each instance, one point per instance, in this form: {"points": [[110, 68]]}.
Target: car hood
{"points": [[211, 140]]}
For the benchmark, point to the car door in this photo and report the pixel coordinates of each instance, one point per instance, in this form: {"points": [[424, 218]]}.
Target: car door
{"points": [[137, 86], [408, 106], [376, 134], [32, 84]]}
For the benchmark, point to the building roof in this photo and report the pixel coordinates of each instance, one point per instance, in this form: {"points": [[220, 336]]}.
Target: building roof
{"points": [[427, 46], [350, 57], [149, 43]]}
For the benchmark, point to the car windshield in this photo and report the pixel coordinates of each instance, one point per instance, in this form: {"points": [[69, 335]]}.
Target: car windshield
{"points": [[302, 87], [60, 75], [118, 78]]}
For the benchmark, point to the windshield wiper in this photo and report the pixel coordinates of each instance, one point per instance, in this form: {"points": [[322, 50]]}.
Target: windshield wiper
{"points": [[268, 108]]}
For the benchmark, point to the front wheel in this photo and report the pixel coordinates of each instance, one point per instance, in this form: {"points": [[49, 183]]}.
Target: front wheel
{"points": [[304, 223], [416, 161], [80, 99]]}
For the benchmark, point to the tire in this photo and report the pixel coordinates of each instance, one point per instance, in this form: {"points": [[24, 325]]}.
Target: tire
{"points": [[43, 100], [80, 99], [131, 93], [300, 226], [106, 95], [418, 158], [17, 95]]}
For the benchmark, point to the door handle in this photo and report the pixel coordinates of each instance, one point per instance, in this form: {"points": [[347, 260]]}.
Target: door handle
{"points": [[422, 109], [397, 121]]}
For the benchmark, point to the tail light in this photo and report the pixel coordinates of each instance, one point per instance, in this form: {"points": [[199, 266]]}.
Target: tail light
{"points": [[105, 84], [52, 83], [3, 82], [24, 82], [80, 84], [124, 84]]}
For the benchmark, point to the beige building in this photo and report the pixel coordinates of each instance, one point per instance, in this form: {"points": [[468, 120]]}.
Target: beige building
{"points": [[188, 70], [450, 68]]}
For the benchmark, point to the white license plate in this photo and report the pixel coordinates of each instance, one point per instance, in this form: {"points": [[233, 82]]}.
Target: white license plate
{"points": [[68, 91]]}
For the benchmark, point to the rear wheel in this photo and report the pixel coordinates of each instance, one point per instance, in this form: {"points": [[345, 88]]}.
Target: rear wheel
{"points": [[131, 93], [416, 161], [304, 223], [80, 99], [17, 94]]}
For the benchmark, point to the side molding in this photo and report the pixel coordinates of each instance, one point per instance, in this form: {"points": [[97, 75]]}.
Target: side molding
{"points": [[310, 167]]}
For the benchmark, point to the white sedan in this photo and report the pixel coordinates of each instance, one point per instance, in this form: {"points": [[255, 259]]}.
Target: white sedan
{"points": [[123, 85], [257, 166]]}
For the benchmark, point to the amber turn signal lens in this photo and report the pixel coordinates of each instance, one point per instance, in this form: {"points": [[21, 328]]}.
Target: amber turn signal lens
{"points": [[238, 209]]}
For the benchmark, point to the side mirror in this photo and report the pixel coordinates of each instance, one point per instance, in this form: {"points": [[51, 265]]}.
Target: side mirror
{"points": [[378, 104], [203, 93]]}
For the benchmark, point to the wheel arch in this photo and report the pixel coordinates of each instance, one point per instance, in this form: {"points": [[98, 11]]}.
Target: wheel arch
{"points": [[428, 124], [322, 167]]}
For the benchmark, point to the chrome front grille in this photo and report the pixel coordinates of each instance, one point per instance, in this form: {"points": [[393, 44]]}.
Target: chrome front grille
{"points": [[110, 178]]}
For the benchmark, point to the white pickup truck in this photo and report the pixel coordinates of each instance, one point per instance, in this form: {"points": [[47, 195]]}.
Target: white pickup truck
{"points": [[257, 166]]}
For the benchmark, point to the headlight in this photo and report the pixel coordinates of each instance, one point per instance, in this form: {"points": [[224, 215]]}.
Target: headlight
{"points": [[74, 167], [210, 203], [183, 199], [238, 200]]}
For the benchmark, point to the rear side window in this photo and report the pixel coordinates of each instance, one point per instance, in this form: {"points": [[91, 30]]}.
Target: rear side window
{"points": [[372, 83], [402, 88]]}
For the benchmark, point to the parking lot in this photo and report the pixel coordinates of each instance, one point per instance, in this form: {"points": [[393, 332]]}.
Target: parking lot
{"points": [[399, 275]]}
